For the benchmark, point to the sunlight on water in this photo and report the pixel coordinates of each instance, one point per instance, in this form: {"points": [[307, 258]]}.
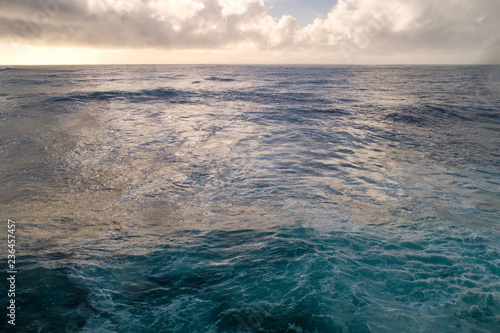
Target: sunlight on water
{"points": [[253, 199]]}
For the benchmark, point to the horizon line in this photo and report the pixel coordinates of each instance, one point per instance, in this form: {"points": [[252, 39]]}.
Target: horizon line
{"points": [[248, 64]]}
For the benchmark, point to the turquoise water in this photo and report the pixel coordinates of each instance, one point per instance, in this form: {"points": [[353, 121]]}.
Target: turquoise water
{"points": [[253, 198]]}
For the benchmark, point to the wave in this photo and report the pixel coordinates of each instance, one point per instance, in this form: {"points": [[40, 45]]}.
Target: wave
{"points": [[144, 95], [220, 79], [428, 114], [367, 205], [328, 282]]}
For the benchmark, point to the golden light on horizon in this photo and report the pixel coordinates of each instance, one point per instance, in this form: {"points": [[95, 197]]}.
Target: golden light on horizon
{"points": [[19, 54]]}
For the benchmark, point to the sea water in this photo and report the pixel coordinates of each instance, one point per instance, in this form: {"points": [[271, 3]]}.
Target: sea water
{"points": [[252, 198]]}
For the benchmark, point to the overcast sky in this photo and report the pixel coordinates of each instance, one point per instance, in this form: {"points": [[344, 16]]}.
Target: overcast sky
{"points": [[249, 31]]}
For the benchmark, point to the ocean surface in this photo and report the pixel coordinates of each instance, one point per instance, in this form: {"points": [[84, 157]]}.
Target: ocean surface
{"points": [[207, 199]]}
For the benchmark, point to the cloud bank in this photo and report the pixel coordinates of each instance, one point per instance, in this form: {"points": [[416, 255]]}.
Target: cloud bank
{"points": [[462, 29]]}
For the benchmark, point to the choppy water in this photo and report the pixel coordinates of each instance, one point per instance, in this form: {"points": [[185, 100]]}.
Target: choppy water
{"points": [[253, 199]]}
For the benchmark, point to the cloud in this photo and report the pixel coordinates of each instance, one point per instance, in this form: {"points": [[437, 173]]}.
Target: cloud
{"points": [[463, 29], [168, 24], [407, 26]]}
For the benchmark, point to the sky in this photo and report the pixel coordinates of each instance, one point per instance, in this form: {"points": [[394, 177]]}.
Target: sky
{"points": [[38, 32]]}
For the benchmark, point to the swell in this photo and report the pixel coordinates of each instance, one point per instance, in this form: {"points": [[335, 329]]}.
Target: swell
{"points": [[145, 95]]}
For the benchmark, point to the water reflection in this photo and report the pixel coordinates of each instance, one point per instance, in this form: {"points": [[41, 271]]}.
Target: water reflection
{"points": [[104, 159]]}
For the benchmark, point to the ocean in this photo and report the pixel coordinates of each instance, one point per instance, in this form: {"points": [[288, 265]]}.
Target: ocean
{"points": [[207, 199]]}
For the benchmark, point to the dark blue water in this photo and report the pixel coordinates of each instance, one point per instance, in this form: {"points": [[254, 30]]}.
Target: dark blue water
{"points": [[252, 199]]}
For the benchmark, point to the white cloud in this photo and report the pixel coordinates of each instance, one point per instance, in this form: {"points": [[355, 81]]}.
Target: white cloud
{"points": [[361, 30], [237, 7], [175, 10]]}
